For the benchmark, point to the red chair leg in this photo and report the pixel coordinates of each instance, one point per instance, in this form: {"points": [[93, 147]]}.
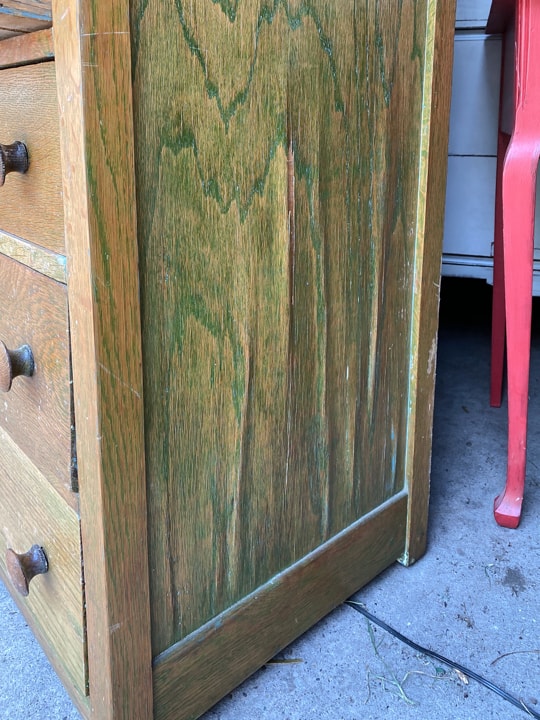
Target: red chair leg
{"points": [[498, 323], [518, 194]]}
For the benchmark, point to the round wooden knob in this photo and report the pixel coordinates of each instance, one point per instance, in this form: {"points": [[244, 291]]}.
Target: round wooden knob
{"points": [[13, 158], [13, 363], [22, 568]]}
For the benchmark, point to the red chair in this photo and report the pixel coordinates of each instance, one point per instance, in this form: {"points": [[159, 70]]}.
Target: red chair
{"points": [[518, 155]]}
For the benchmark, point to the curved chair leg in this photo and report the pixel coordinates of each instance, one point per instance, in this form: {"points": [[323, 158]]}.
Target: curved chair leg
{"points": [[498, 323], [518, 194]]}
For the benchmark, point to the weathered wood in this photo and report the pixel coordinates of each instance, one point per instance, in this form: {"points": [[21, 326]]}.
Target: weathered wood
{"points": [[278, 201], [30, 8], [429, 226], [282, 154], [92, 51], [33, 256], [31, 205], [12, 27], [24, 16], [32, 512], [29, 48], [36, 411], [226, 647]]}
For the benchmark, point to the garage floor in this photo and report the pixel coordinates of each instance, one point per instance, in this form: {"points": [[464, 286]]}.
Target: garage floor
{"points": [[473, 597]]}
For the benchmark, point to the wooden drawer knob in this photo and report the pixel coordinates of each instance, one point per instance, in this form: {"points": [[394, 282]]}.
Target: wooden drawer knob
{"points": [[13, 363], [22, 568], [13, 158]]}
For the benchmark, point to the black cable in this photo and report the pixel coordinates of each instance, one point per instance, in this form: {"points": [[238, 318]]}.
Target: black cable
{"points": [[440, 658]]}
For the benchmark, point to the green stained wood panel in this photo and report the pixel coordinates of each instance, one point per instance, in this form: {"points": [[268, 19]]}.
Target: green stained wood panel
{"points": [[277, 154]]}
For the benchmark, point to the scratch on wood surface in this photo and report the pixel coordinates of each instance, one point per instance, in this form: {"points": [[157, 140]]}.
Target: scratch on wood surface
{"points": [[432, 355], [122, 382], [113, 32]]}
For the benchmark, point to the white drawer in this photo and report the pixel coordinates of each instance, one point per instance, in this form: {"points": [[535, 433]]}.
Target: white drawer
{"points": [[470, 206], [472, 13], [475, 95]]}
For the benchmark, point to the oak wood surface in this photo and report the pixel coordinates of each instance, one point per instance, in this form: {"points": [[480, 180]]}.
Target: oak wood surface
{"points": [[31, 204], [434, 127], [218, 657], [278, 203], [92, 52], [23, 16], [31, 512], [36, 411], [12, 26], [36, 257], [28, 48], [33, 8]]}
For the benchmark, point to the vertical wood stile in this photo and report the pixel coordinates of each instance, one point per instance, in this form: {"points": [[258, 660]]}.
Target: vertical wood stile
{"points": [[93, 63], [431, 202]]}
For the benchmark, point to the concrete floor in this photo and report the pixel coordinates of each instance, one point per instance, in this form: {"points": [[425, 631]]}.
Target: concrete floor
{"points": [[473, 597]]}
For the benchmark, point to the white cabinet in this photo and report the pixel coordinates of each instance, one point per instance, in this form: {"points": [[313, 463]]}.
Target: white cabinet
{"points": [[472, 13], [472, 151], [472, 160]]}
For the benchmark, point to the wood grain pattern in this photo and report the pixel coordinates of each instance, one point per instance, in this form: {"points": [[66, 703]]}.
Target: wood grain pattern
{"points": [[28, 48], [32, 204], [23, 17], [278, 201], [430, 220], [36, 412], [32, 512], [12, 25], [299, 597], [34, 256], [92, 52], [33, 8], [280, 156]]}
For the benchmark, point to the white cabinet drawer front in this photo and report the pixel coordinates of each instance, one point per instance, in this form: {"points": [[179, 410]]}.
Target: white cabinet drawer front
{"points": [[472, 13], [475, 95], [470, 206]]}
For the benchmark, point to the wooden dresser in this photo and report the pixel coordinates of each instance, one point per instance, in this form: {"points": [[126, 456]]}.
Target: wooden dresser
{"points": [[220, 247]]}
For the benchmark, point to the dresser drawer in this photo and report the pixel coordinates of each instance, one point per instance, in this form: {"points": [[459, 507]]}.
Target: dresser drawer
{"points": [[31, 204], [32, 513], [36, 410]]}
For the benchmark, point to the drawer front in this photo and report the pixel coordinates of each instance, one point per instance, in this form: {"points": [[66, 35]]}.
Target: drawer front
{"points": [[36, 410], [31, 204], [475, 95], [472, 13], [32, 513], [470, 206]]}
